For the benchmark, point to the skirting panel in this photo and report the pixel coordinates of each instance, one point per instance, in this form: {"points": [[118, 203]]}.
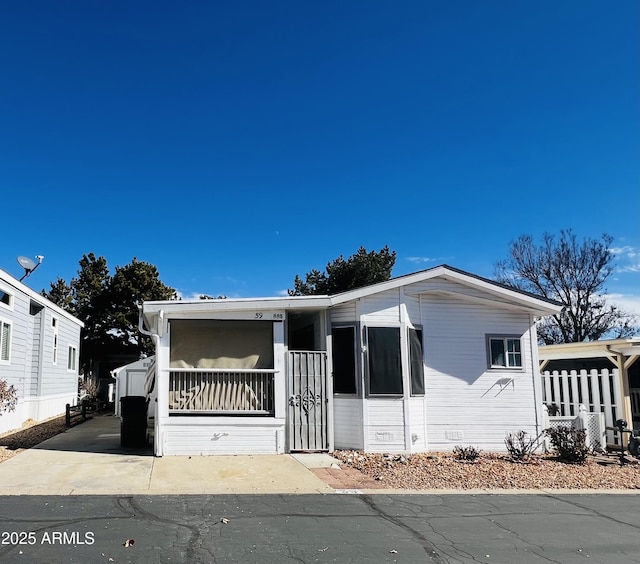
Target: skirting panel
{"points": [[222, 439]]}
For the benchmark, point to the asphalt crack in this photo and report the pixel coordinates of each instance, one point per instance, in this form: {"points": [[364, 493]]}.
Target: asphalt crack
{"points": [[428, 547]]}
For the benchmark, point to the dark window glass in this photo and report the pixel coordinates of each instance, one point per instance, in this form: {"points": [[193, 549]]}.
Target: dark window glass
{"points": [[416, 361], [385, 368], [344, 360], [5, 298]]}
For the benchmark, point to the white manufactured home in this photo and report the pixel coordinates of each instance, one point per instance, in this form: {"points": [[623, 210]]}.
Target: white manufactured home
{"points": [[39, 348], [422, 362]]}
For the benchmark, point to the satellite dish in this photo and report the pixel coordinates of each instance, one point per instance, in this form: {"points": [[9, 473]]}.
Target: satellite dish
{"points": [[29, 265]]}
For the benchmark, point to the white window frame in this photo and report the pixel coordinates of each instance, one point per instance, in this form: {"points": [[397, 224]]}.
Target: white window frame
{"points": [[72, 355], [3, 323], [54, 326], [505, 344]]}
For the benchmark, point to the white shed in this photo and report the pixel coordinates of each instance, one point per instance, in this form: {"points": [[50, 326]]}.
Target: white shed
{"points": [[130, 381]]}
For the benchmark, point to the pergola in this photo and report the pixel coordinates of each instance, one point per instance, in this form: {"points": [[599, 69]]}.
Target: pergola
{"points": [[622, 353]]}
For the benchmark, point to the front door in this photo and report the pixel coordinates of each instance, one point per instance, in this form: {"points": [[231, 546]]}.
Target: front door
{"points": [[308, 401]]}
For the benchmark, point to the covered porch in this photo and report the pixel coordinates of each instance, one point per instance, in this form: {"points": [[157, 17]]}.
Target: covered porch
{"points": [[587, 362]]}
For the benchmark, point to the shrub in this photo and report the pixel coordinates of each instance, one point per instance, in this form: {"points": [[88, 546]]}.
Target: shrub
{"points": [[519, 446], [468, 453], [8, 397], [569, 444], [553, 410]]}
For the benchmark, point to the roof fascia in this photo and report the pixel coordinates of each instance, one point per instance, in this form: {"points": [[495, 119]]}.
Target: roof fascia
{"points": [[38, 298], [589, 349], [239, 304], [525, 301]]}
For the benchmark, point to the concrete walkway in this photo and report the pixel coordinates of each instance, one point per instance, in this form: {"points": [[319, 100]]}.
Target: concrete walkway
{"points": [[88, 459]]}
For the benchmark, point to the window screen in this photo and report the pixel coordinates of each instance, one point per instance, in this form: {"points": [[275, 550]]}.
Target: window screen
{"points": [[416, 362], [344, 359], [385, 368], [221, 344]]}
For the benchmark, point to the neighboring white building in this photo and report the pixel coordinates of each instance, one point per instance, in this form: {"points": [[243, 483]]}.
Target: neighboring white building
{"points": [[130, 381], [422, 362], [39, 353]]}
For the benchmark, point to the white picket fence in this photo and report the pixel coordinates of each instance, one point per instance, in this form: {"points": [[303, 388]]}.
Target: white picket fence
{"points": [[598, 391]]}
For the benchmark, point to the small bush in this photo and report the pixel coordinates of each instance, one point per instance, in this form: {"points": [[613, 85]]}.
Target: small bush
{"points": [[553, 410], [8, 397], [569, 444], [519, 446], [468, 453]]}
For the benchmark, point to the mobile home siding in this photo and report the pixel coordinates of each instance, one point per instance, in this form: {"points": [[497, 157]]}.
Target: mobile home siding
{"points": [[43, 388], [202, 436], [466, 402], [348, 422], [345, 313]]}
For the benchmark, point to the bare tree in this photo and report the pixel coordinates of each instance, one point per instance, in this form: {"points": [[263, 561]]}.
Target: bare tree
{"points": [[573, 273]]}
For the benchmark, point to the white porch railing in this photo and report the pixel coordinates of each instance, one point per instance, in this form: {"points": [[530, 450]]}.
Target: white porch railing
{"points": [[219, 392], [599, 392]]}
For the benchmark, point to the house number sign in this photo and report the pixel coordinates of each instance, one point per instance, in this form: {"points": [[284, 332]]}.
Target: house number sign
{"points": [[277, 316]]}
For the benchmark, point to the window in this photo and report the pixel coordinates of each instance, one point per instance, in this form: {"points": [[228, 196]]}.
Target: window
{"points": [[72, 359], [505, 352], [5, 341], [222, 344], [6, 299], [344, 359], [385, 366], [416, 362], [54, 324]]}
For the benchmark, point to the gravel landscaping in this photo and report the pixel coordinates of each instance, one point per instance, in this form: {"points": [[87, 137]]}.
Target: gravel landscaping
{"points": [[31, 434], [492, 471]]}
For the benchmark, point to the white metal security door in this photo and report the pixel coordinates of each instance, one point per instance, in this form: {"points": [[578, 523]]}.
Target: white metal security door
{"points": [[308, 400]]}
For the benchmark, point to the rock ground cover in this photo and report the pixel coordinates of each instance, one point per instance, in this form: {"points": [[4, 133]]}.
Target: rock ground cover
{"points": [[492, 471], [31, 434]]}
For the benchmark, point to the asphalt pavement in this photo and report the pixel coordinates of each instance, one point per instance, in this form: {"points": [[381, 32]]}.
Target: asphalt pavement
{"points": [[359, 528]]}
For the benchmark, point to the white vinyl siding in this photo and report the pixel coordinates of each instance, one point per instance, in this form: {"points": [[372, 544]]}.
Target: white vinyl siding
{"points": [[468, 403], [193, 436], [348, 423], [26, 337], [385, 425]]}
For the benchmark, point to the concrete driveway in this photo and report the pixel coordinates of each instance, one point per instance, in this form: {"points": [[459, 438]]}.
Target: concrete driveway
{"points": [[88, 459]]}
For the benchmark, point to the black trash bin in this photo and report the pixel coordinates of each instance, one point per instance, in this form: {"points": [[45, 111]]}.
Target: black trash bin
{"points": [[133, 428]]}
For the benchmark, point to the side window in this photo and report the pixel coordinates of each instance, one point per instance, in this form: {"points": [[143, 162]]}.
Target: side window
{"points": [[416, 362], [6, 299], [385, 366], [54, 326], [5, 342], [72, 359], [344, 360], [504, 351]]}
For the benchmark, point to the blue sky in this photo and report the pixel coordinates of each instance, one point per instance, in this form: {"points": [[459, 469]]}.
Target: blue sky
{"points": [[237, 144]]}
